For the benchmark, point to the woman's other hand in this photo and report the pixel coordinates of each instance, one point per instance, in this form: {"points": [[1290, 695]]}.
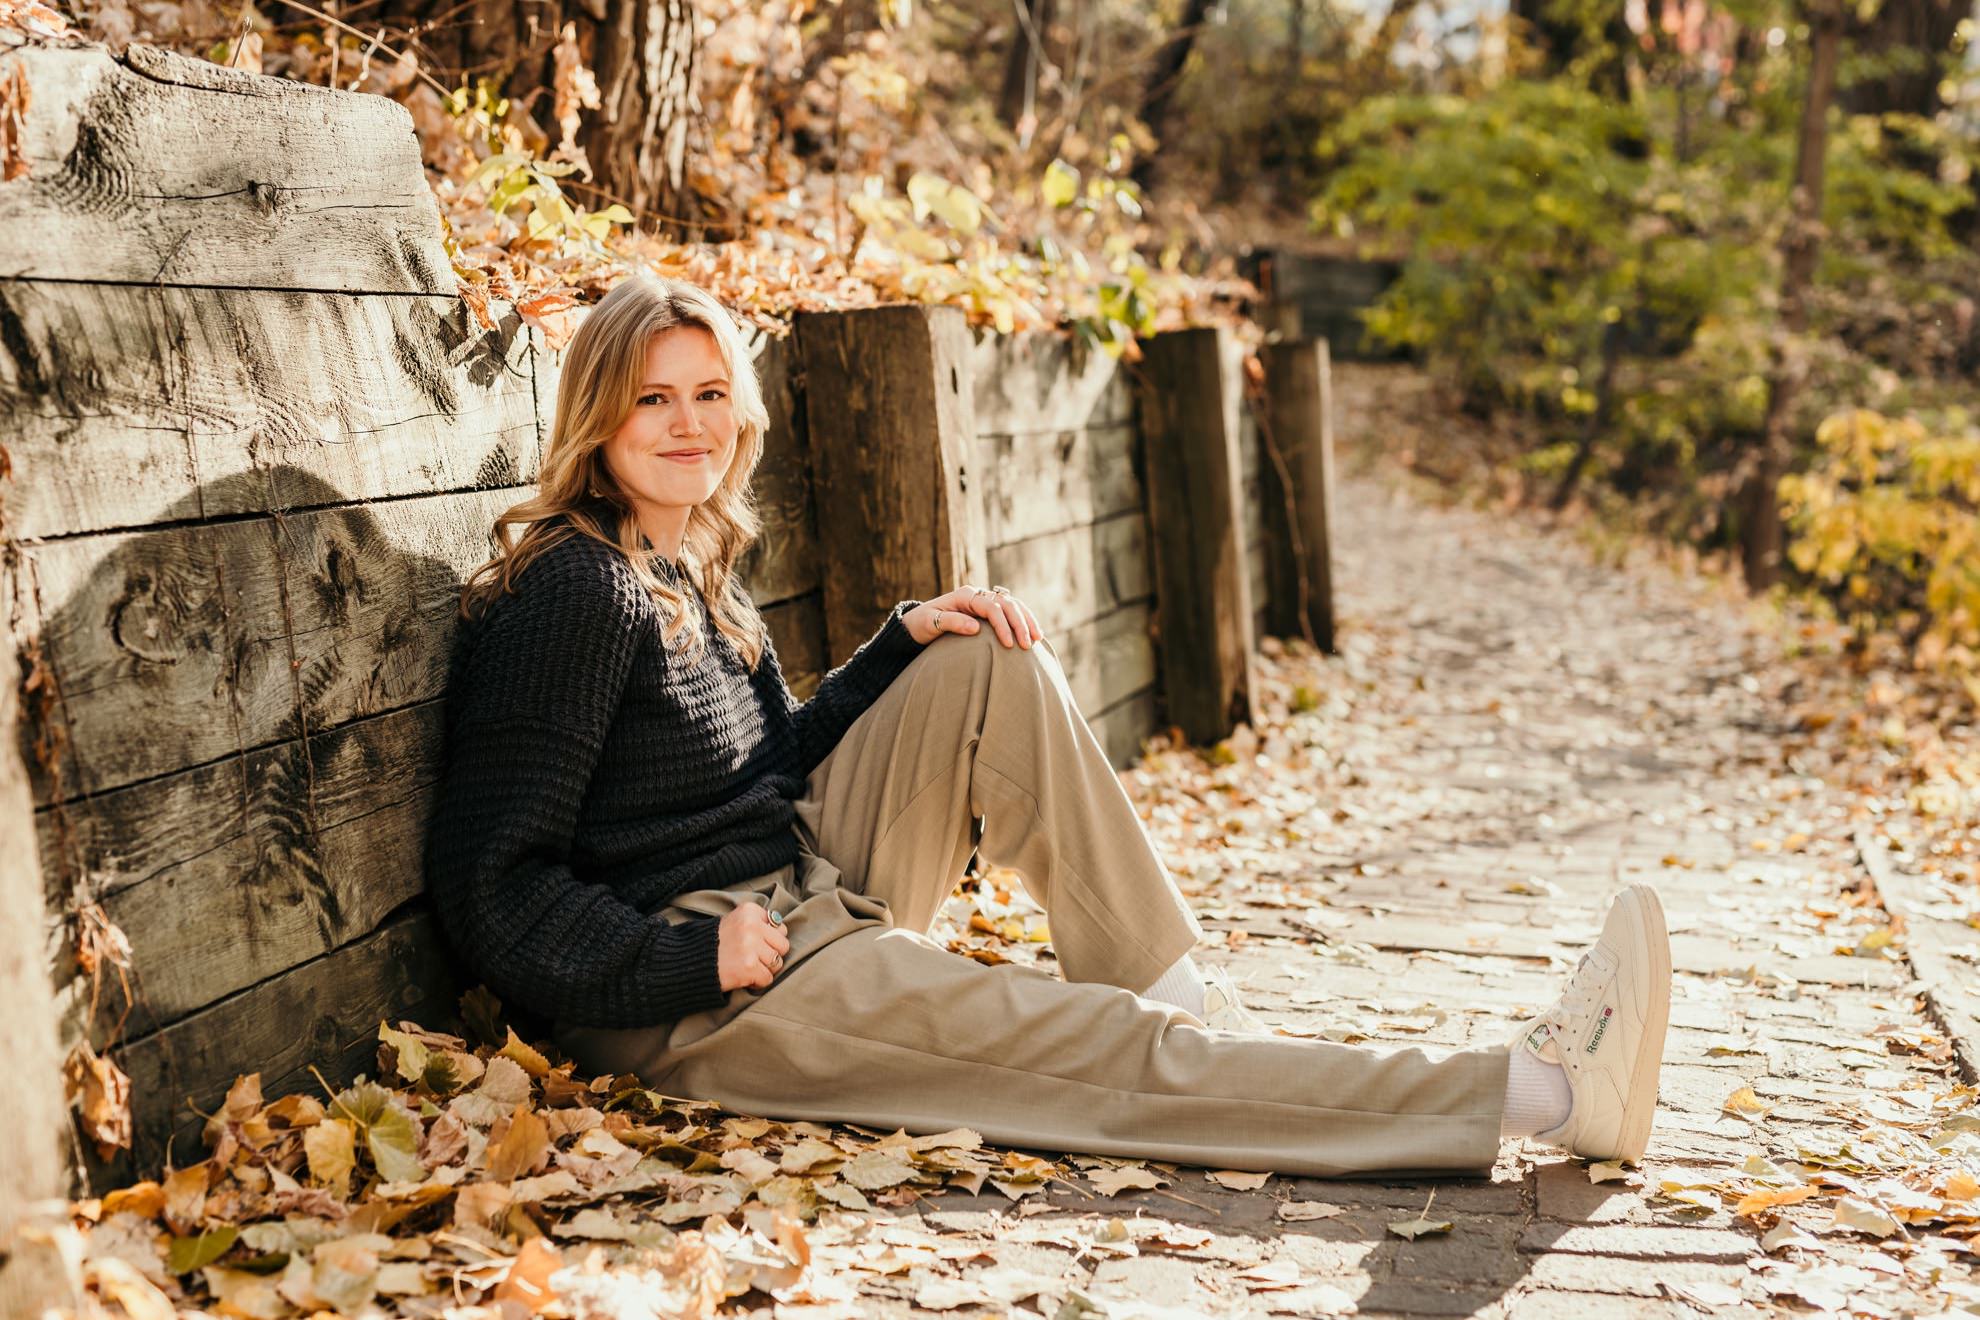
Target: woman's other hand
{"points": [[964, 611], [750, 948]]}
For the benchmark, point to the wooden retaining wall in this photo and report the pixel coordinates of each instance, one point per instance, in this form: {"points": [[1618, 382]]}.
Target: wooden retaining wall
{"points": [[257, 442], [1065, 519]]}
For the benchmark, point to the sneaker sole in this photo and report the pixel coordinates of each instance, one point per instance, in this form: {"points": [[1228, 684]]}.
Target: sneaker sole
{"points": [[1640, 1110]]}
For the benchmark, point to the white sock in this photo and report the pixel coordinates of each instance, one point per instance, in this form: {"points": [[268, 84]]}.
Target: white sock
{"points": [[1537, 1095], [1181, 985]]}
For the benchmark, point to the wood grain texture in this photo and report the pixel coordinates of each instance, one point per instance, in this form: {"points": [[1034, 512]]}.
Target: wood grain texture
{"points": [[887, 416], [1298, 522], [282, 187], [1045, 382], [157, 169], [178, 647], [227, 874], [1107, 659], [1079, 574], [784, 562], [134, 406], [1188, 391], [1048, 481]]}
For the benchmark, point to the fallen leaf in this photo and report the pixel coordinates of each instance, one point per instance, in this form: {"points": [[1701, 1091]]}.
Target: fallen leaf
{"points": [[332, 1150], [1422, 1225], [528, 1279], [1766, 1198], [1295, 1212], [1857, 1216], [1238, 1181], [1744, 1103], [1132, 1177], [1603, 1171], [187, 1254]]}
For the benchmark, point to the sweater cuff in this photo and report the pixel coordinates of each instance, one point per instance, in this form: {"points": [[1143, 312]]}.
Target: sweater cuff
{"points": [[688, 963]]}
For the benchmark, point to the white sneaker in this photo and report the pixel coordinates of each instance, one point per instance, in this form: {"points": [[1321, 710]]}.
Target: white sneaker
{"points": [[1221, 1007], [1607, 1032]]}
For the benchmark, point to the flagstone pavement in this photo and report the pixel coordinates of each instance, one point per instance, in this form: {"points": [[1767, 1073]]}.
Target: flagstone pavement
{"points": [[1513, 730]]}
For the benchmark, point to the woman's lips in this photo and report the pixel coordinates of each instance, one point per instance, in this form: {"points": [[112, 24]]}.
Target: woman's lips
{"points": [[687, 456]]}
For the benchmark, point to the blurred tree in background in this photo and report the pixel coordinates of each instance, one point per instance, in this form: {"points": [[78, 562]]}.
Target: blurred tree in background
{"points": [[1669, 237]]}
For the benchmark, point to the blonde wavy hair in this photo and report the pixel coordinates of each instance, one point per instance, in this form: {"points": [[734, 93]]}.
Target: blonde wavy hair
{"points": [[604, 366]]}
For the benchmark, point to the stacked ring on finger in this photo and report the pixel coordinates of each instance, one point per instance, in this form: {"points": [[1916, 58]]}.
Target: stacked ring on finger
{"points": [[1000, 591]]}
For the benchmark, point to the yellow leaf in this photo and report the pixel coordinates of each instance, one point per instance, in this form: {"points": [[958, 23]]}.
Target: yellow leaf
{"points": [[1746, 1104], [955, 204], [1060, 185], [332, 1149], [1766, 1198], [532, 1061]]}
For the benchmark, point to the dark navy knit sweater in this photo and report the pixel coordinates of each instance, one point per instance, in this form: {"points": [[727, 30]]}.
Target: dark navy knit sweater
{"points": [[592, 774]]}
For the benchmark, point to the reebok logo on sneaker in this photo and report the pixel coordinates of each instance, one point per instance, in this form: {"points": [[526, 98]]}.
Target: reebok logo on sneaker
{"points": [[1601, 1026]]}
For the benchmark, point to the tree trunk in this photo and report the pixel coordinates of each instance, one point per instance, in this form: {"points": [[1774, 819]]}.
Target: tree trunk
{"points": [[642, 53], [1158, 99], [1562, 39], [1910, 39], [1020, 91], [1761, 536]]}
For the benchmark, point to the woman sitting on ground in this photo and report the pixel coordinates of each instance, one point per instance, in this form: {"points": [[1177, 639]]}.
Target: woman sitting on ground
{"points": [[642, 836]]}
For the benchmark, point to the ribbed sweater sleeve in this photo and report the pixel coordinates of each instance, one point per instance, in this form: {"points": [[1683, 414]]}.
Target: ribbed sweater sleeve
{"points": [[845, 694], [528, 713]]}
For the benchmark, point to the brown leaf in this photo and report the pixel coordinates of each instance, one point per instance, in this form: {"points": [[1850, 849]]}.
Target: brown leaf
{"points": [[523, 1147], [99, 1088], [185, 1197]]}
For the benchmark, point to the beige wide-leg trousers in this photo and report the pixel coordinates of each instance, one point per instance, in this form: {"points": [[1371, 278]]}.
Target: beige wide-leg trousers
{"points": [[872, 1022]]}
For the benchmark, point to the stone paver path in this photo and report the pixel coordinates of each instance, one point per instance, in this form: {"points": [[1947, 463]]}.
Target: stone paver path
{"points": [[1512, 731]]}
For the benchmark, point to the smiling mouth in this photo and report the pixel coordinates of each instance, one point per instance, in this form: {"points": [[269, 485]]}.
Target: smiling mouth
{"points": [[687, 455]]}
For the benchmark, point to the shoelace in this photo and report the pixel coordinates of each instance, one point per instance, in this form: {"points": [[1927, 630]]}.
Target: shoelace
{"points": [[1583, 989]]}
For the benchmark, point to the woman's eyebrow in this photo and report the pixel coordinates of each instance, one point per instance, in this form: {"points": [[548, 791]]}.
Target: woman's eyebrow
{"points": [[663, 385]]}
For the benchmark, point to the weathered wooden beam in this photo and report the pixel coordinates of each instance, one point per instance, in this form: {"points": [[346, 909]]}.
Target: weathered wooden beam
{"points": [[1299, 520], [1045, 382], [1078, 574], [888, 415], [132, 406], [158, 169], [187, 644], [32, 1164], [1188, 386], [1039, 482]]}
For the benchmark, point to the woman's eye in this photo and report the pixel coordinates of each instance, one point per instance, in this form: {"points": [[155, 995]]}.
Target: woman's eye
{"points": [[713, 394], [649, 398]]}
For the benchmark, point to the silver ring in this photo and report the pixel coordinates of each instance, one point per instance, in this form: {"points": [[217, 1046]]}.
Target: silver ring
{"points": [[776, 918], [1001, 591]]}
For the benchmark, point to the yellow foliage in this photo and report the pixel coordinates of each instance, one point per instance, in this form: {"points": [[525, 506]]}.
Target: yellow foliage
{"points": [[1886, 520]]}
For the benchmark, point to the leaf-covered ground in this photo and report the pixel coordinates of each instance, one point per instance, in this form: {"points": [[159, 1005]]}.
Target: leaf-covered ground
{"points": [[1411, 849]]}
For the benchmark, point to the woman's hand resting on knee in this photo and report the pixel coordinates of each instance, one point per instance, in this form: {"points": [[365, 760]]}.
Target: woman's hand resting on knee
{"points": [[962, 610], [750, 948]]}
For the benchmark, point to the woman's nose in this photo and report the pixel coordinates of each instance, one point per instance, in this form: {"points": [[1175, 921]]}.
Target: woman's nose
{"points": [[686, 422]]}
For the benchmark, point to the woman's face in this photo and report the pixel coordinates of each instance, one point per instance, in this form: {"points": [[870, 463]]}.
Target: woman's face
{"points": [[673, 448]]}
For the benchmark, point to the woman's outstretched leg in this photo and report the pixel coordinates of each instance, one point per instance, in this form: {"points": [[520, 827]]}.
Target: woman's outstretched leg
{"points": [[973, 728]]}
